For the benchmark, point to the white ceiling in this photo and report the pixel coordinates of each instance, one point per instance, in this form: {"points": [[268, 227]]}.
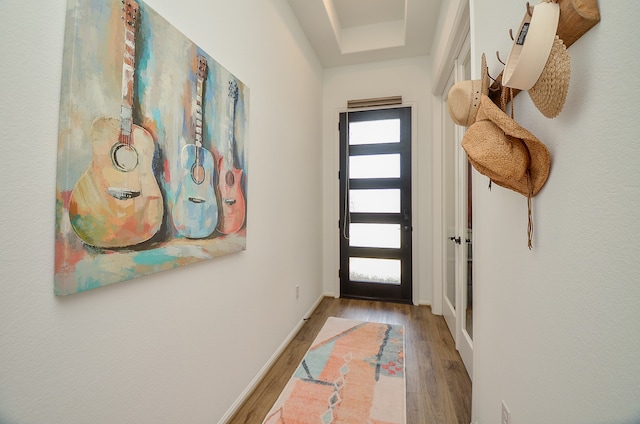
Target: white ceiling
{"points": [[347, 32]]}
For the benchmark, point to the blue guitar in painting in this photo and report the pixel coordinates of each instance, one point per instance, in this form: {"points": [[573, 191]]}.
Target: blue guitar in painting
{"points": [[195, 211]]}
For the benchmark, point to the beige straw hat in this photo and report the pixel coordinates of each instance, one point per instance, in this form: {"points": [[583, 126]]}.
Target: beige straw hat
{"points": [[531, 48], [550, 91], [501, 149], [463, 99], [490, 150], [512, 157], [498, 147]]}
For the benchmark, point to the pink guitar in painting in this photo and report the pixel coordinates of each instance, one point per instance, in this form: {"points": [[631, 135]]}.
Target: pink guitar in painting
{"points": [[117, 201], [232, 201]]}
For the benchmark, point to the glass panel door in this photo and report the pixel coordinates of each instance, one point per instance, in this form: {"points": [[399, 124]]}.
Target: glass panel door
{"points": [[449, 142], [457, 287], [375, 204]]}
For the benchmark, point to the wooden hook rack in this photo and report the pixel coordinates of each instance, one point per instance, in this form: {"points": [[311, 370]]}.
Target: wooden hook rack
{"points": [[576, 18]]}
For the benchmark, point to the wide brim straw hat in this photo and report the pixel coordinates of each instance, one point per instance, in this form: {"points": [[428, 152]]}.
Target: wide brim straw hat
{"points": [[501, 149], [550, 91], [463, 98], [540, 158], [532, 46], [490, 150], [495, 131]]}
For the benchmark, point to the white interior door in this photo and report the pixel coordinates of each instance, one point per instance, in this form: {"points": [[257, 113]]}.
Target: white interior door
{"points": [[449, 140], [458, 271]]}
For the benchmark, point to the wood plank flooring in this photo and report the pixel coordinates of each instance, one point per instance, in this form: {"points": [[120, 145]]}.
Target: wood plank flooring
{"points": [[438, 387]]}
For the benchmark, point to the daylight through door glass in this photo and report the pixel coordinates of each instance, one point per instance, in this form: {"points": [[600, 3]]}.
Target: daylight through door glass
{"points": [[374, 166], [375, 235], [374, 132], [371, 270], [375, 200]]}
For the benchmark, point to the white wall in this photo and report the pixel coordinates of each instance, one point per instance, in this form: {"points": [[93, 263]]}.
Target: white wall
{"points": [[556, 329], [180, 345], [410, 79]]}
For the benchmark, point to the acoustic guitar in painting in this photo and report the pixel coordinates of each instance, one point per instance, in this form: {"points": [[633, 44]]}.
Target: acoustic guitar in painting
{"points": [[117, 201], [232, 201], [195, 211]]}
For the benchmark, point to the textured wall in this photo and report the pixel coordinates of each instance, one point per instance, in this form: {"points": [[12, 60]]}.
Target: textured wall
{"points": [[180, 345], [556, 329]]}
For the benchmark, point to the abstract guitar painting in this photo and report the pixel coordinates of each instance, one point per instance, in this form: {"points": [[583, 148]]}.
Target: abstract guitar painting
{"points": [[152, 148]]}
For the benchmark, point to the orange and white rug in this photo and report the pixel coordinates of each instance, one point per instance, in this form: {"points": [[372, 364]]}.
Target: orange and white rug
{"points": [[352, 373]]}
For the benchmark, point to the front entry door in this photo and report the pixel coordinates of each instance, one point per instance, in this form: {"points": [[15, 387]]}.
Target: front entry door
{"points": [[375, 204]]}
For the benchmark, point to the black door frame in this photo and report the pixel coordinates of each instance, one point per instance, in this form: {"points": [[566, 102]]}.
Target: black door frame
{"points": [[377, 291]]}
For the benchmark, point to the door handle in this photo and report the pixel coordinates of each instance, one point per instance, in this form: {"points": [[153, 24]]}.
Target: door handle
{"points": [[457, 240]]}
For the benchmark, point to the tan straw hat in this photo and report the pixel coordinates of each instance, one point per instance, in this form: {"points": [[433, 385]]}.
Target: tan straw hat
{"points": [[532, 46], [488, 147], [463, 99], [550, 91], [498, 147], [523, 163], [501, 149]]}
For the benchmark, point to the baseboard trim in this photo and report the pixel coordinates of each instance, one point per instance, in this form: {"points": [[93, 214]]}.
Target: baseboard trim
{"points": [[254, 383]]}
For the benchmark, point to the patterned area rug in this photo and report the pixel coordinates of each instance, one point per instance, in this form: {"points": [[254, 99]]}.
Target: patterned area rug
{"points": [[352, 373]]}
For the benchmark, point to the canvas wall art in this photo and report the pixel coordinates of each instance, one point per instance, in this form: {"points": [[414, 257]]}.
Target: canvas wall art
{"points": [[152, 149]]}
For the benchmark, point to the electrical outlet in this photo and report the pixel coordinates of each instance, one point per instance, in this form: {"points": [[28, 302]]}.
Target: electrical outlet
{"points": [[506, 414], [297, 291]]}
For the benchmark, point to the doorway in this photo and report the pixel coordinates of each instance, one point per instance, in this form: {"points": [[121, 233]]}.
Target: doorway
{"points": [[457, 291], [375, 205]]}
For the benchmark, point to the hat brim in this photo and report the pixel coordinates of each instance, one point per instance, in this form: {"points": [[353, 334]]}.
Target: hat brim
{"points": [[540, 158], [532, 46], [550, 90]]}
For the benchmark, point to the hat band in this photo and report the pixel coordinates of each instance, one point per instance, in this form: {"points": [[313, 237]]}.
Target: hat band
{"points": [[532, 46]]}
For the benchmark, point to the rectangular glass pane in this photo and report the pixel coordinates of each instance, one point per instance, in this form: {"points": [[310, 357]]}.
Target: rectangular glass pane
{"points": [[374, 132], [375, 166], [369, 270], [375, 235], [375, 201]]}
